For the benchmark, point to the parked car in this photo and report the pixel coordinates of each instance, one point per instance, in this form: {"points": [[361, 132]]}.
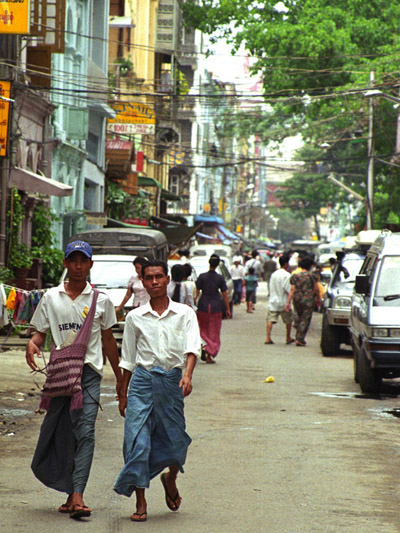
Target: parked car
{"points": [[375, 314], [200, 264], [337, 302], [205, 250], [145, 242], [338, 296]]}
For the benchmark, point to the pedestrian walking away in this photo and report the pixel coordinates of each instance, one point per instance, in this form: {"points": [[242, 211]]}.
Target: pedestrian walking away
{"points": [[237, 273], [305, 295], [212, 286], [269, 268], [177, 290], [255, 263], [64, 451], [161, 341], [251, 282], [279, 293]]}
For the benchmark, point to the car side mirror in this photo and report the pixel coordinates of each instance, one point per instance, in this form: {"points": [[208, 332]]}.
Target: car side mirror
{"points": [[362, 284]]}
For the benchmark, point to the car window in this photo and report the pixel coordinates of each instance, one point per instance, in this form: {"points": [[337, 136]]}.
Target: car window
{"points": [[111, 274], [388, 281], [224, 271], [351, 267]]}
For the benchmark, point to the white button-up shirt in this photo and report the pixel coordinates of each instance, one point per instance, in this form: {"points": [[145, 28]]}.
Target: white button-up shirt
{"points": [[163, 340]]}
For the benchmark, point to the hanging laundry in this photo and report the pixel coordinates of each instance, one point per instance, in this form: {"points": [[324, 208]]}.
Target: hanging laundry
{"points": [[26, 311], [4, 318], [10, 303], [36, 299], [19, 299]]}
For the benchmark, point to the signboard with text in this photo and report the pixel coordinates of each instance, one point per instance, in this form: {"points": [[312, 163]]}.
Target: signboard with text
{"points": [[15, 17], [5, 91], [132, 118]]}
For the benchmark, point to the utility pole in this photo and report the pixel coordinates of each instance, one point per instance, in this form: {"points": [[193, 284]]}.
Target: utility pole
{"points": [[371, 151]]}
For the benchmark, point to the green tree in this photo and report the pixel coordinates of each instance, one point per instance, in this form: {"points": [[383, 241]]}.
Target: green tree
{"points": [[44, 244], [316, 57]]}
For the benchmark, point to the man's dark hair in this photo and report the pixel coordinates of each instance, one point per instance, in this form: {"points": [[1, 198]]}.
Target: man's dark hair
{"points": [[306, 263], [214, 260], [187, 270], [155, 263], [177, 273], [140, 260], [284, 258], [251, 271], [254, 254], [184, 253]]}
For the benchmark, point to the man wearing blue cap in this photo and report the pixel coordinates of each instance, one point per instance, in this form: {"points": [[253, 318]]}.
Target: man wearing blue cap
{"points": [[62, 310]]}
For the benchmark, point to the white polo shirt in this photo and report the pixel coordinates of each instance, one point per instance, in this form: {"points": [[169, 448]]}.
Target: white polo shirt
{"points": [[163, 340], [279, 288], [57, 312]]}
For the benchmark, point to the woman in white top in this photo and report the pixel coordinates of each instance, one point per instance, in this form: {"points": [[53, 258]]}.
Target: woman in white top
{"points": [[135, 287], [177, 290]]}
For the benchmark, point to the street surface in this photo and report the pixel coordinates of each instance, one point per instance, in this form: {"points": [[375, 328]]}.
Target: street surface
{"points": [[306, 453]]}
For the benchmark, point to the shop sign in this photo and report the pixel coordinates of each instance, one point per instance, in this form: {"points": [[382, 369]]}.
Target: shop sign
{"points": [[5, 90], [131, 129], [15, 17]]}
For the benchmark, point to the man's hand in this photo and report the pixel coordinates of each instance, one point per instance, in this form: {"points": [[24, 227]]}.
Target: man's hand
{"points": [[33, 348], [228, 313], [123, 401], [186, 383]]}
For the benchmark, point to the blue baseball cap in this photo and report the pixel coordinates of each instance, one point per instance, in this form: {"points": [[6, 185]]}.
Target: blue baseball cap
{"points": [[78, 246]]}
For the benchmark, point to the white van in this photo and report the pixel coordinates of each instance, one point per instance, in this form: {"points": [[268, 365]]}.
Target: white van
{"points": [[375, 314]]}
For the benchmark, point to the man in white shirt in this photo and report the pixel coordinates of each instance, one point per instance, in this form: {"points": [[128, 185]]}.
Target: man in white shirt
{"points": [[237, 272], [161, 342], [62, 310], [279, 288]]}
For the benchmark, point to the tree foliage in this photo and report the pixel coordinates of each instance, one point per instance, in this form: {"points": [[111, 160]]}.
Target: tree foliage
{"points": [[315, 57]]}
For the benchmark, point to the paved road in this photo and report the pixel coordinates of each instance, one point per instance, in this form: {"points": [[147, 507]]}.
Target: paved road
{"points": [[306, 453]]}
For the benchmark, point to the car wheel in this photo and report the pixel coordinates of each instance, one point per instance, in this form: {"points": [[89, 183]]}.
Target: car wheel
{"points": [[330, 341], [369, 379]]}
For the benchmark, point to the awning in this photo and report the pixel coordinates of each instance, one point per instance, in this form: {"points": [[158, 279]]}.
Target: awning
{"points": [[143, 194], [227, 233], [212, 219], [179, 234], [146, 181], [31, 182], [208, 237], [170, 196]]}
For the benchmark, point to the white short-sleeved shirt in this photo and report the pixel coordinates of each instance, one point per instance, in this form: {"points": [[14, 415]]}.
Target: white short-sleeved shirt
{"points": [[57, 312], [163, 340], [279, 288], [140, 295]]}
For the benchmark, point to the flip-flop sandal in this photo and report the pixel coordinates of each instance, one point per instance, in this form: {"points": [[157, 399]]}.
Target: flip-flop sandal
{"points": [[79, 511], [290, 342], [272, 342], [141, 517], [64, 508], [168, 496]]}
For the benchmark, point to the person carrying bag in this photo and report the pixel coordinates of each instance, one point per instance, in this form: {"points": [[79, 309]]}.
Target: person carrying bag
{"points": [[64, 371]]}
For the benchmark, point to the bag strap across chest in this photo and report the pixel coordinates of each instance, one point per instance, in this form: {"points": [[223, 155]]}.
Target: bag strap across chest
{"points": [[83, 334]]}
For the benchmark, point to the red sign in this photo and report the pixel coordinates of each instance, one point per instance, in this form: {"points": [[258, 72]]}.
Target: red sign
{"points": [[116, 144], [136, 221], [139, 161]]}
